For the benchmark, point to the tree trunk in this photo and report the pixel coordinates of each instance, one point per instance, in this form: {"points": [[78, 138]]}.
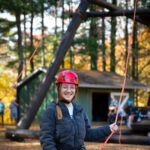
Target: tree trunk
{"points": [[126, 35], [55, 41], [62, 19], [71, 58], [31, 37], [126, 42], [92, 44], [20, 134], [25, 44], [19, 41], [113, 41], [19, 46], [71, 50], [42, 27], [134, 54], [135, 58], [103, 45]]}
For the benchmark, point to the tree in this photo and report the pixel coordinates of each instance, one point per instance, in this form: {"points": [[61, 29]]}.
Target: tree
{"points": [[103, 45], [92, 42], [15, 8], [113, 40], [42, 32]]}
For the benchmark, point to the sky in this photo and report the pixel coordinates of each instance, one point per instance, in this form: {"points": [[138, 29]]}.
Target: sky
{"points": [[49, 22]]}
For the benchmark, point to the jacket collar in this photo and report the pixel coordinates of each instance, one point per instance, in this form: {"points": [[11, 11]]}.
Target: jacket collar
{"points": [[76, 108]]}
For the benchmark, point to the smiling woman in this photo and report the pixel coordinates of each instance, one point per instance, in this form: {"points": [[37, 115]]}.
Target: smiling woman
{"points": [[65, 124], [67, 91]]}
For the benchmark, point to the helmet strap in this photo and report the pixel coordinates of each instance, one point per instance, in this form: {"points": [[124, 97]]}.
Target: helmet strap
{"points": [[66, 102]]}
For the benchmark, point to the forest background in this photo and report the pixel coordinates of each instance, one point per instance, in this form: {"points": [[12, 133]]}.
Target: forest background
{"points": [[99, 44]]}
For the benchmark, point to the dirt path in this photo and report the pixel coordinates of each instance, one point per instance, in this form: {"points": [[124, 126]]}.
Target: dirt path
{"points": [[6, 144]]}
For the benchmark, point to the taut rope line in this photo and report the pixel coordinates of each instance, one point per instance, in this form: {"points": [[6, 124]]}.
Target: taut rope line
{"points": [[124, 81], [129, 49]]}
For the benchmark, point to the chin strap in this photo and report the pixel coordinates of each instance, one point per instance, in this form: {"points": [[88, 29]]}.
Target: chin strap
{"points": [[66, 102]]}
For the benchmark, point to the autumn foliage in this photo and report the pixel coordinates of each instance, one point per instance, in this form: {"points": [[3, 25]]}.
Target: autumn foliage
{"points": [[7, 93]]}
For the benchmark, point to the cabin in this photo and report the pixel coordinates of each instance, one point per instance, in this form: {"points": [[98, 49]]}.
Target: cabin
{"points": [[95, 91]]}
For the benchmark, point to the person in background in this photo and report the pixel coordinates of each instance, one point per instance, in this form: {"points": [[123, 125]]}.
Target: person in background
{"points": [[2, 108], [112, 112], [65, 125], [148, 112], [13, 111], [136, 113], [129, 113], [114, 99]]}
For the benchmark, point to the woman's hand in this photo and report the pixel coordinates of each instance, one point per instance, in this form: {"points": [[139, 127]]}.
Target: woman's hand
{"points": [[113, 127]]}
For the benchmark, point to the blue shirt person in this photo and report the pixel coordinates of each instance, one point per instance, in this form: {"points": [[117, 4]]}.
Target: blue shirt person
{"points": [[13, 111], [2, 108]]}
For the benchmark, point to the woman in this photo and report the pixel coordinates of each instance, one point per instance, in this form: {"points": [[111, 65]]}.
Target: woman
{"points": [[65, 125]]}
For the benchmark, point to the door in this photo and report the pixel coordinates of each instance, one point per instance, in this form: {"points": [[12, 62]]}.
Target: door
{"points": [[100, 106]]}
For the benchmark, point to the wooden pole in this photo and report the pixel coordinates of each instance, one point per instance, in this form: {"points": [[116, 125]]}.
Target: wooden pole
{"points": [[112, 7], [21, 134], [139, 12], [37, 100], [130, 139]]}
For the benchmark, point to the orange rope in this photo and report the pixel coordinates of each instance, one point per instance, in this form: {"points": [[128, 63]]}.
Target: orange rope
{"points": [[24, 66], [56, 8], [107, 140], [129, 49], [123, 86], [122, 111], [31, 56]]}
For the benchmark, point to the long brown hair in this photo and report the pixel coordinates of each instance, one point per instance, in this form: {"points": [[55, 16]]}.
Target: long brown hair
{"points": [[58, 109]]}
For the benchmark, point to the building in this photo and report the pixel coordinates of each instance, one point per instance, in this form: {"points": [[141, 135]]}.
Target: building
{"points": [[95, 91]]}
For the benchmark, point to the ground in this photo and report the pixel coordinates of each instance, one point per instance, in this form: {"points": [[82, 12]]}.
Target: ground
{"points": [[6, 144]]}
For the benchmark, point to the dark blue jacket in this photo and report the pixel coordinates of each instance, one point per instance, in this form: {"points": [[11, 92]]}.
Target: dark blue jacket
{"points": [[67, 133]]}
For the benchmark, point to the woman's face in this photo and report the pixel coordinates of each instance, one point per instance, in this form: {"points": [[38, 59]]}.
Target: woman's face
{"points": [[67, 91]]}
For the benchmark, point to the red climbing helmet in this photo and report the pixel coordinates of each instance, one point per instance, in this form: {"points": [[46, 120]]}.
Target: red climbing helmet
{"points": [[67, 76]]}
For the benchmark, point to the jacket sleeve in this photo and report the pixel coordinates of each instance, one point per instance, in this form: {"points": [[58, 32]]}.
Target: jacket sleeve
{"points": [[95, 133], [47, 130]]}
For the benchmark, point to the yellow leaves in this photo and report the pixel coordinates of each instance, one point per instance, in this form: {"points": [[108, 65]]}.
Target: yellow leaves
{"points": [[7, 93], [144, 38], [80, 62], [144, 62]]}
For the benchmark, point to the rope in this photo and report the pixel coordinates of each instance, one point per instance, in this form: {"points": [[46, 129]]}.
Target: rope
{"points": [[24, 66], [121, 121], [56, 8], [31, 55], [129, 49], [123, 86]]}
